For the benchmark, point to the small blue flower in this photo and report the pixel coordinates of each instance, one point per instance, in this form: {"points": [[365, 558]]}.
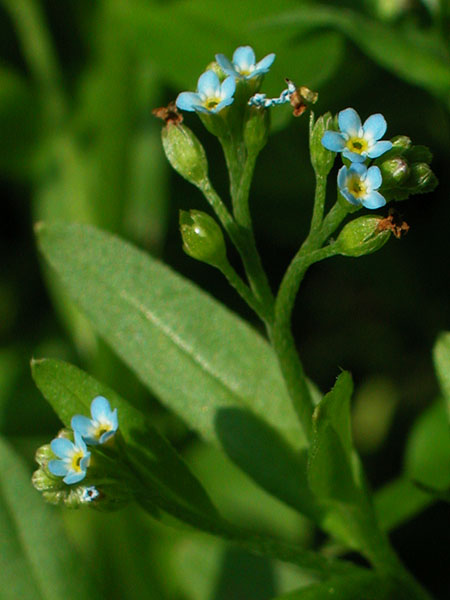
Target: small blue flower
{"points": [[244, 65], [101, 427], [74, 459], [358, 185], [211, 95], [89, 494], [358, 142]]}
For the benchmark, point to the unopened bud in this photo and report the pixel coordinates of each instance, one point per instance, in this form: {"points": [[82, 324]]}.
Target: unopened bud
{"points": [[394, 171], [401, 142], [362, 236], [256, 129], [185, 153], [322, 159], [42, 480], [422, 179], [43, 455], [202, 237]]}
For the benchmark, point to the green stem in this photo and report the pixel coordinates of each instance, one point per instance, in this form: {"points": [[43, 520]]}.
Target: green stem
{"points": [[282, 338], [244, 291], [241, 167], [332, 221], [319, 207]]}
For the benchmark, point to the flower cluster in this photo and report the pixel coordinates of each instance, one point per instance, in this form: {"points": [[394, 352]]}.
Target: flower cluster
{"points": [[68, 457], [216, 88], [359, 142], [73, 457]]}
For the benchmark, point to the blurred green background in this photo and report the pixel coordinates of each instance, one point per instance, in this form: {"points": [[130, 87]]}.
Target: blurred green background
{"points": [[78, 81]]}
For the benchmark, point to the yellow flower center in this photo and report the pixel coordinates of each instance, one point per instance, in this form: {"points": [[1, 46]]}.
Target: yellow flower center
{"points": [[357, 145], [211, 103], [356, 187], [101, 429], [76, 460]]}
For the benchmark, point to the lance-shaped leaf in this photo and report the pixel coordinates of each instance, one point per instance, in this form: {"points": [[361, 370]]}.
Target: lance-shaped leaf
{"points": [[201, 360], [441, 356]]}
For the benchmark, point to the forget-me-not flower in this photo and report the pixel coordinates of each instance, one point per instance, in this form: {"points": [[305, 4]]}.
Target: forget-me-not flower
{"points": [[73, 459], [89, 494], [244, 65], [359, 184], [101, 427], [211, 95], [358, 142]]}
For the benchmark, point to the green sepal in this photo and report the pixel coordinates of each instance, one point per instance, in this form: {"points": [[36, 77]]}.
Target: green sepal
{"points": [[202, 238], [322, 159], [362, 236], [185, 153]]}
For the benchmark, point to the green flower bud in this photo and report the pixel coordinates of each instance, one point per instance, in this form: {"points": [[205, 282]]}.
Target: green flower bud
{"points": [[362, 236], [214, 66], [256, 129], [394, 170], [43, 455], [42, 480], [421, 179], [185, 153], [202, 238], [54, 497], [322, 159], [401, 142]]}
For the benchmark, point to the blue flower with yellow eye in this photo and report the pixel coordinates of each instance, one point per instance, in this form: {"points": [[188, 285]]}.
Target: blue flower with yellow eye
{"points": [[211, 95], [73, 459], [358, 142], [101, 427], [244, 65], [359, 184]]}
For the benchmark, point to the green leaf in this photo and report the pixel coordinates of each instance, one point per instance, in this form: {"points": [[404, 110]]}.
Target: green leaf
{"points": [[201, 360], [410, 54], [353, 587], [330, 469], [173, 487], [441, 356], [37, 558], [399, 501], [427, 456]]}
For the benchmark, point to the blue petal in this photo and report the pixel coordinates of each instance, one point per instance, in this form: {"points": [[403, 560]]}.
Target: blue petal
{"points": [[349, 122], [57, 467], [375, 127], [226, 65], [374, 178], [374, 200], [228, 88], [82, 424], [188, 101], [357, 169], [265, 63], [379, 148], [73, 477], [105, 436], [79, 442], [354, 156], [342, 177], [221, 105], [332, 140], [62, 447], [350, 198], [100, 409], [84, 462], [208, 84], [244, 57]]}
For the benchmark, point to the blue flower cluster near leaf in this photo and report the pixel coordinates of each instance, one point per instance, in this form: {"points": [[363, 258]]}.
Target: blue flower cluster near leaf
{"points": [[359, 143], [74, 457], [211, 96], [359, 184], [244, 65]]}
